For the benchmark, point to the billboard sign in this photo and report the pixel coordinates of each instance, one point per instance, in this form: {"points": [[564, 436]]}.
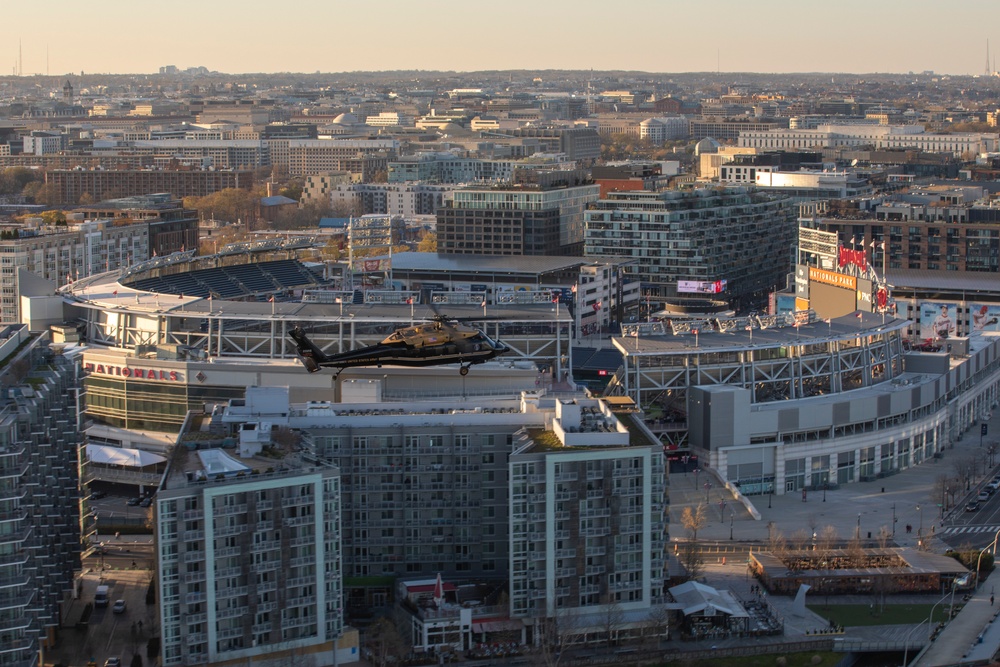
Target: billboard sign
{"points": [[984, 317], [701, 286], [833, 278], [937, 320]]}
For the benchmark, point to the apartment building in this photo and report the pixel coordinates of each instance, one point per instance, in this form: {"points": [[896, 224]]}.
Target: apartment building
{"points": [[448, 168], [733, 234], [224, 154], [71, 184], [318, 156], [248, 558], [934, 229], [543, 219], [404, 199], [39, 502], [587, 535], [61, 255], [564, 499]]}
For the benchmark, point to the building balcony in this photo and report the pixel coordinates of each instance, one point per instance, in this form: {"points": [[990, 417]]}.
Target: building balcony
{"points": [[270, 545], [235, 591], [227, 531], [298, 500], [300, 521], [229, 613], [226, 510]]}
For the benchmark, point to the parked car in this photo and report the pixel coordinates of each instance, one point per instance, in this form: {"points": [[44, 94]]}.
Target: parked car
{"points": [[146, 502], [113, 662], [132, 502], [97, 495], [973, 506], [119, 607]]}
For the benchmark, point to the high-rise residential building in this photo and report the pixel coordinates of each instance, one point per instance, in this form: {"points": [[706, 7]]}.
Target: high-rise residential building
{"points": [[248, 559], [405, 199], [733, 238], [587, 533], [562, 498], [39, 498], [64, 254], [539, 219]]}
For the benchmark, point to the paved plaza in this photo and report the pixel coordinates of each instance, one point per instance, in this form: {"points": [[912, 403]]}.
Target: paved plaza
{"points": [[862, 507]]}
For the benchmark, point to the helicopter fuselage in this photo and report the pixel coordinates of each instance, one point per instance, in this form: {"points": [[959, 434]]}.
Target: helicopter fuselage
{"points": [[424, 345]]}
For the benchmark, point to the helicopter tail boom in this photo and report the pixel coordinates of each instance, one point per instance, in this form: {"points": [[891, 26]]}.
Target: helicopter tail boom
{"points": [[311, 356]]}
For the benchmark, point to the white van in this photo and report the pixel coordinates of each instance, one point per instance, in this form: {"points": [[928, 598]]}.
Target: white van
{"points": [[101, 597]]}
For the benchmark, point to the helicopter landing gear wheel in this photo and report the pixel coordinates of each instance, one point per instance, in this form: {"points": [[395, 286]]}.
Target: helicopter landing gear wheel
{"points": [[463, 371]]}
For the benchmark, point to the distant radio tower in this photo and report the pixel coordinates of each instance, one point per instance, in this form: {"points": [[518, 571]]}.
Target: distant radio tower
{"points": [[987, 57]]}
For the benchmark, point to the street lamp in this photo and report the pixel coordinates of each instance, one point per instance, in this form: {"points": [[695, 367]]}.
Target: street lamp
{"points": [[708, 490], [858, 534], [732, 516], [894, 521], [920, 530]]}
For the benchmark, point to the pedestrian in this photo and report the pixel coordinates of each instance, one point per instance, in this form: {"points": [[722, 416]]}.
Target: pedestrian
{"points": [[991, 599]]}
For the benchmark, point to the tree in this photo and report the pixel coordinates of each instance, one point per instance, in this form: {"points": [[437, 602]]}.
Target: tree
{"points": [[884, 536], [44, 194], [800, 540], [331, 251], [691, 559], [552, 635], [827, 539], [230, 204], [14, 179], [694, 521], [429, 243], [384, 644], [612, 620]]}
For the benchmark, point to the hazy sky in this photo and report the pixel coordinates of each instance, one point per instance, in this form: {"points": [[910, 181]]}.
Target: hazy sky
{"points": [[139, 36]]}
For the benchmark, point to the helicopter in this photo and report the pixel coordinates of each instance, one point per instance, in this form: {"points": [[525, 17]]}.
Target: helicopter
{"points": [[440, 341]]}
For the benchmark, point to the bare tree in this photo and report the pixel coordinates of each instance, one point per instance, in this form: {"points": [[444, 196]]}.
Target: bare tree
{"points": [[826, 539], [855, 551], [552, 635], [694, 521], [692, 560], [940, 490], [383, 642], [884, 536], [800, 540], [657, 625], [612, 620]]}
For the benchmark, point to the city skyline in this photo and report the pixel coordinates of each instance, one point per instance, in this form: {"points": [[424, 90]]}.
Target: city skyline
{"points": [[775, 36]]}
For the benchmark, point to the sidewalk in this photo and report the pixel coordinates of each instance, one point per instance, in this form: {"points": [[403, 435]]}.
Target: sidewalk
{"points": [[856, 507], [973, 636]]}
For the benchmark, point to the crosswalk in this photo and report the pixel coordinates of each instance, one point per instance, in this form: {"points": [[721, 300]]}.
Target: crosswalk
{"points": [[955, 530]]}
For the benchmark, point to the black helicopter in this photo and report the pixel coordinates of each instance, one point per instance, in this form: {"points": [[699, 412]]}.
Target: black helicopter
{"points": [[440, 341]]}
